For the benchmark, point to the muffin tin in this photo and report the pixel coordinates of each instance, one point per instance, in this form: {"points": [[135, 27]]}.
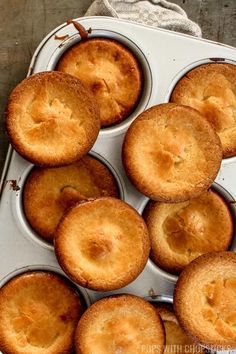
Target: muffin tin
{"points": [[165, 57]]}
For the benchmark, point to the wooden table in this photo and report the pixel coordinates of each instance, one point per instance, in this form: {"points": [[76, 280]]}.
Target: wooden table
{"points": [[24, 23]]}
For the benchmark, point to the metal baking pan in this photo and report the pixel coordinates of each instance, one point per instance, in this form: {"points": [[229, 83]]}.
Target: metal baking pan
{"points": [[165, 56]]}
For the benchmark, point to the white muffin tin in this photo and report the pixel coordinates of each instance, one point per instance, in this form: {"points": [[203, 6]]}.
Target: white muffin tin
{"points": [[165, 56]]}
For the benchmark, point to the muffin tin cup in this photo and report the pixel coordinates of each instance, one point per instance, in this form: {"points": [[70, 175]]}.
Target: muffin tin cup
{"points": [[147, 76], [160, 299], [46, 268], [230, 202], [164, 60], [18, 209]]}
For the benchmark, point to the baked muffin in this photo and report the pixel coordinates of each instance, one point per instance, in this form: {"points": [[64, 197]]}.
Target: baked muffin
{"points": [[183, 231], [52, 119], [123, 324], [176, 339], [171, 153], [111, 71], [48, 192], [205, 300], [211, 89], [39, 312], [102, 244]]}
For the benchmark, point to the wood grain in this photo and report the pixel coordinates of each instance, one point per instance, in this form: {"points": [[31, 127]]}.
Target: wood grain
{"points": [[24, 23], [215, 17]]}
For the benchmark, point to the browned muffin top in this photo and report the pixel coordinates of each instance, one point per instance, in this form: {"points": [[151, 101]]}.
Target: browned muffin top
{"points": [[177, 340], [180, 232], [205, 300], [49, 192], [211, 89], [52, 119], [122, 324], [102, 244], [39, 312], [111, 71], [171, 153]]}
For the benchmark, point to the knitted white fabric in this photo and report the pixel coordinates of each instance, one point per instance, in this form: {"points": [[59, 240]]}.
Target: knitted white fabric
{"points": [[158, 13]]}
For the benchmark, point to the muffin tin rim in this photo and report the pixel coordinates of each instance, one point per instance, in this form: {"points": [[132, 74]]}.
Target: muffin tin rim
{"points": [[99, 26], [47, 269], [109, 18], [160, 298]]}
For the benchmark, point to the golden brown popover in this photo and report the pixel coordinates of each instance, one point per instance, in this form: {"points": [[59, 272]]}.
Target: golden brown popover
{"points": [[124, 324], [39, 312], [49, 192], [171, 153], [102, 244], [211, 89], [52, 119], [205, 300], [111, 71], [180, 232], [177, 341]]}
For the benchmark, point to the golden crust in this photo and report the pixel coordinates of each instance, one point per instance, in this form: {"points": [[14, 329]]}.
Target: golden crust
{"points": [[121, 324], [211, 89], [49, 192], [102, 244], [39, 312], [52, 119], [183, 231], [205, 300], [111, 71], [161, 148], [177, 340], [166, 312]]}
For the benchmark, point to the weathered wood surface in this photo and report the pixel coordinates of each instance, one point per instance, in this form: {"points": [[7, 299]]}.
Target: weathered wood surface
{"points": [[24, 23], [215, 17]]}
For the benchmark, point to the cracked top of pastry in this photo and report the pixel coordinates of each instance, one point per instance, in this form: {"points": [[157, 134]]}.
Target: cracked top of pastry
{"points": [[171, 153], [49, 192], [177, 340], [125, 324], [111, 71], [180, 232], [205, 300], [102, 244], [39, 312], [211, 89], [52, 119]]}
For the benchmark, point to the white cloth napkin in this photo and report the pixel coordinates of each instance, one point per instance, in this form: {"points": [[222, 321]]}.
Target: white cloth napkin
{"points": [[158, 13]]}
